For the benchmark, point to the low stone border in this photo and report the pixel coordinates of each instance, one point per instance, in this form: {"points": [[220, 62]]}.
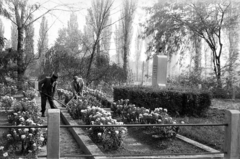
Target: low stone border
{"points": [[80, 136]]}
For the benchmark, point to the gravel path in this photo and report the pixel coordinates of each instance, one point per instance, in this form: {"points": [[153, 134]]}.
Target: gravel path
{"points": [[68, 146]]}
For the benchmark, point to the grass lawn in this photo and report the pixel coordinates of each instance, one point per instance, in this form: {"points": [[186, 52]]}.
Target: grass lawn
{"points": [[212, 136]]}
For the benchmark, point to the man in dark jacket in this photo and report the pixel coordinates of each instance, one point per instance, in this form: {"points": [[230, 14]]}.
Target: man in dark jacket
{"points": [[47, 88]]}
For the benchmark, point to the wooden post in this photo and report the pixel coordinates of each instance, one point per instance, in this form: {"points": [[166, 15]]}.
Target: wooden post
{"points": [[53, 148], [231, 140]]}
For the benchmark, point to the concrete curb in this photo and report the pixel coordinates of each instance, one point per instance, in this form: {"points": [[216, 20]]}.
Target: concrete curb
{"points": [[80, 136]]}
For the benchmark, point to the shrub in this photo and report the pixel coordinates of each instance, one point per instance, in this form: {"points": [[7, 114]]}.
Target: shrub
{"points": [[177, 102]]}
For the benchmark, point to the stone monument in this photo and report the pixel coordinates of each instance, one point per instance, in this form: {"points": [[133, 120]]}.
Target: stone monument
{"points": [[159, 71]]}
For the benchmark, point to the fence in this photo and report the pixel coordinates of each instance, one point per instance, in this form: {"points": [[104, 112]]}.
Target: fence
{"points": [[231, 145]]}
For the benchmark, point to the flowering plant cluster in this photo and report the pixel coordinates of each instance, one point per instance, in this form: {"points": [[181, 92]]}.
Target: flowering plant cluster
{"points": [[76, 105], [28, 105], [31, 94], [111, 138], [62, 93], [24, 141], [8, 89], [7, 102], [129, 113], [96, 93], [74, 108]]}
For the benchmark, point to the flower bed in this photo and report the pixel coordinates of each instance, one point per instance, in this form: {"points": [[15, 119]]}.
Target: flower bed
{"points": [[22, 141], [111, 137]]}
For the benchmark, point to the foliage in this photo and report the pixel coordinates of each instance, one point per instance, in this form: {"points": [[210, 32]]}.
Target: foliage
{"points": [[176, 101], [8, 65], [172, 23]]}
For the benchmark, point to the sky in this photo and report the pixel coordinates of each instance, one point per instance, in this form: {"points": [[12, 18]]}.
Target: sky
{"points": [[58, 19]]}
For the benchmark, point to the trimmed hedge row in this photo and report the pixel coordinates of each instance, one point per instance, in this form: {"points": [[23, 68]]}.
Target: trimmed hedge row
{"points": [[177, 102]]}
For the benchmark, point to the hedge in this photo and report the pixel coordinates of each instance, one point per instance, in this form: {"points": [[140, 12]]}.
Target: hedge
{"points": [[177, 102]]}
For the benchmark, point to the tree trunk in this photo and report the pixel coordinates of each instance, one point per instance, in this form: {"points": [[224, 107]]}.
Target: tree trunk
{"points": [[125, 62], [218, 72], [20, 59]]}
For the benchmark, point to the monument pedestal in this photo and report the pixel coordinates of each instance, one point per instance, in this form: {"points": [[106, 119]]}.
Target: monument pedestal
{"points": [[159, 72]]}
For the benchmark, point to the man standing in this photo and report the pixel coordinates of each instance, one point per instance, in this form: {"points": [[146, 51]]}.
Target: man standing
{"points": [[47, 88], [77, 86]]}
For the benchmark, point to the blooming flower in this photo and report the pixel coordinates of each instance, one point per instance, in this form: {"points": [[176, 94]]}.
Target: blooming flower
{"points": [[99, 134], [26, 130], [117, 132], [41, 139], [23, 136], [182, 122], [9, 135], [5, 154], [1, 147], [165, 110]]}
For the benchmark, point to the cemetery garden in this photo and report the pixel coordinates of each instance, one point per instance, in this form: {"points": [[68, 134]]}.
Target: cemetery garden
{"points": [[160, 79]]}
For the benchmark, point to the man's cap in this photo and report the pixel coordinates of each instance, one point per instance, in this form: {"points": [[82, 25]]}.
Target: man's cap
{"points": [[55, 75]]}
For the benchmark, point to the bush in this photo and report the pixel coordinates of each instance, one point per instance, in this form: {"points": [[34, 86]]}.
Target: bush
{"points": [[177, 102]]}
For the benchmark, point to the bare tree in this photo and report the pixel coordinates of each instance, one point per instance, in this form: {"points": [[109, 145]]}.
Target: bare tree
{"points": [[99, 16]]}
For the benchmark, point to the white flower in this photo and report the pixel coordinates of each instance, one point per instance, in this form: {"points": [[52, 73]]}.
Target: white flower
{"points": [[26, 130], [1, 147], [182, 122], [9, 135], [21, 119], [15, 114], [29, 151], [117, 132], [33, 129], [5, 154], [165, 110], [34, 144], [41, 139], [30, 134], [23, 136], [174, 122], [99, 134]]}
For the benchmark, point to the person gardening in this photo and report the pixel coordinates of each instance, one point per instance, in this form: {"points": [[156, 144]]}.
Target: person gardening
{"points": [[77, 86], [47, 87]]}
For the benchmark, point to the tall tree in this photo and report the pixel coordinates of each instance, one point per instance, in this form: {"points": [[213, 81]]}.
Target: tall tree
{"points": [[42, 43], [99, 21], [14, 36], [1, 32], [138, 43], [127, 14], [118, 44]]}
